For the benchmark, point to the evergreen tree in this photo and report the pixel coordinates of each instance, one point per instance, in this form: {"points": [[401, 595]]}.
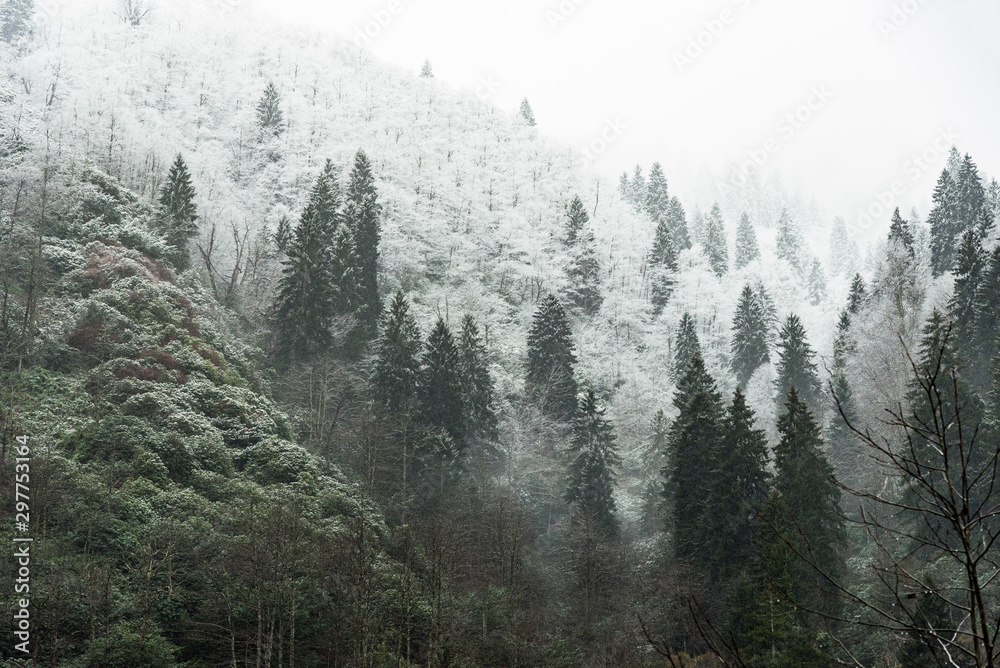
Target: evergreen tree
{"points": [[576, 220], [858, 295], [747, 250], [638, 190], [16, 20], [625, 187], [584, 274], [843, 343], [969, 269], [440, 385], [688, 345], [970, 195], [477, 384], [178, 213], [697, 227], [789, 245], [899, 232], [804, 478], [749, 346], [677, 223], [987, 310], [269, 117], [816, 283], [283, 235], [591, 481], [361, 217], [657, 200], [313, 290], [770, 311], [663, 264], [796, 368], [693, 442], [840, 248], [527, 115], [396, 370], [737, 491], [549, 380], [848, 455], [427, 71], [715, 243], [943, 220]]}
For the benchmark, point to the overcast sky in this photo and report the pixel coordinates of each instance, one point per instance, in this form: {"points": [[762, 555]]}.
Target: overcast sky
{"points": [[885, 80]]}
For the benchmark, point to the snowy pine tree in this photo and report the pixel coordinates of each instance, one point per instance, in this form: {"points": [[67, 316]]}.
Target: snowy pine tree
{"points": [[749, 345], [900, 232], [178, 212], [477, 384], [841, 252], [789, 243], [550, 381], [858, 294], [816, 283], [795, 367], [527, 115], [361, 217], [715, 243], [656, 202], [396, 370], [440, 385], [16, 17], [592, 470], [688, 345], [426, 70], [677, 223], [270, 120], [747, 250], [944, 223]]}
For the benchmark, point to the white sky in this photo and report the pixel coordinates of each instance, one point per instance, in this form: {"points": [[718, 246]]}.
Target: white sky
{"points": [[616, 59]]}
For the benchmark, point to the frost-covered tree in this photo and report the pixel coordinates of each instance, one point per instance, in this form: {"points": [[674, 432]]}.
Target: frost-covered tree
{"points": [[747, 250], [841, 252], [677, 223], [816, 283], [361, 216], [584, 276], [442, 405], [858, 294], [549, 379], [970, 265], [687, 346], [426, 70], [178, 212], [970, 195], [592, 469], [944, 222], [270, 120], [789, 242], [657, 199], [16, 20], [477, 383], [987, 310], [900, 232], [527, 115], [749, 344], [663, 265], [396, 369], [796, 368], [576, 220], [637, 189], [715, 243]]}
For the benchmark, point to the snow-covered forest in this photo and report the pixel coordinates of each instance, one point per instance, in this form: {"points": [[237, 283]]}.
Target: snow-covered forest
{"points": [[324, 363]]}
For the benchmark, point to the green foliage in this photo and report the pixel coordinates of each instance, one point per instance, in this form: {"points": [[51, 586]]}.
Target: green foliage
{"points": [[397, 366], [361, 216], [549, 379], [592, 470], [944, 223], [440, 385], [858, 295], [687, 347], [178, 212], [749, 344], [796, 368], [747, 250], [478, 392], [900, 232], [270, 120], [715, 242]]}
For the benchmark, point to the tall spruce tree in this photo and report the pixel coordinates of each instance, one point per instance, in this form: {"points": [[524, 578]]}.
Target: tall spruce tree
{"points": [[770, 311], [584, 275], [944, 223], [687, 345], [900, 232], [270, 120], [426, 70], [657, 199], [361, 216], [789, 243], [677, 222], [737, 490], [749, 345], [396, 369], [693, 443], [987, 310], [970, 265], [840, 248], [796, 368], [178, 212], [16, 20], [477, 384], [576, 220], [527, 115], [638, 189], [663, 265], [715, 242], [316, 281], [592, 470], [804, 478], [440, 385], [747, 250], [816, 283], [858, 294], [970, 195], [550, 381]]}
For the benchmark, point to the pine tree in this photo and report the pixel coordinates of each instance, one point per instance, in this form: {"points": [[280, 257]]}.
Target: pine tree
{"points": [[858, 295], [899, 232], [715, 242], [843, 343], [584, 274], [677, 223], [697, 226], [688, 345], [576, 220], [737, 491], [527, 115], [361, 217], [943, 220], [987, 310], [269, 117], [816, 283], [427, 71], [770, 311], [804, 478], [749, 345], [16, 20], [848, 454], [625, 187], [747, 250], [396, 370], [840, 248], [178, 212], [969, 269], [796, 368], [316, 281], [663, 265], [789, 245], [970, 195], [657, 199], [638, 189], [592, 471], [694, 439], [477, 384], [440, 385], [283, 234], [550, 381]]}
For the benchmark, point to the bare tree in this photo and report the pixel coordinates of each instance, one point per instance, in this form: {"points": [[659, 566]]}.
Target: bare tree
{"points": [[133, 12]]}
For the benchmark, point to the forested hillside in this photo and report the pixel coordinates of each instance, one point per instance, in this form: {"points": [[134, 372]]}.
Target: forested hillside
{"points": [[324, 363]]}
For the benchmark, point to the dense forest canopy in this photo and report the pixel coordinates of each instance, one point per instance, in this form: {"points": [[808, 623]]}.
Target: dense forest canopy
{"points": [[323, 363]]}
